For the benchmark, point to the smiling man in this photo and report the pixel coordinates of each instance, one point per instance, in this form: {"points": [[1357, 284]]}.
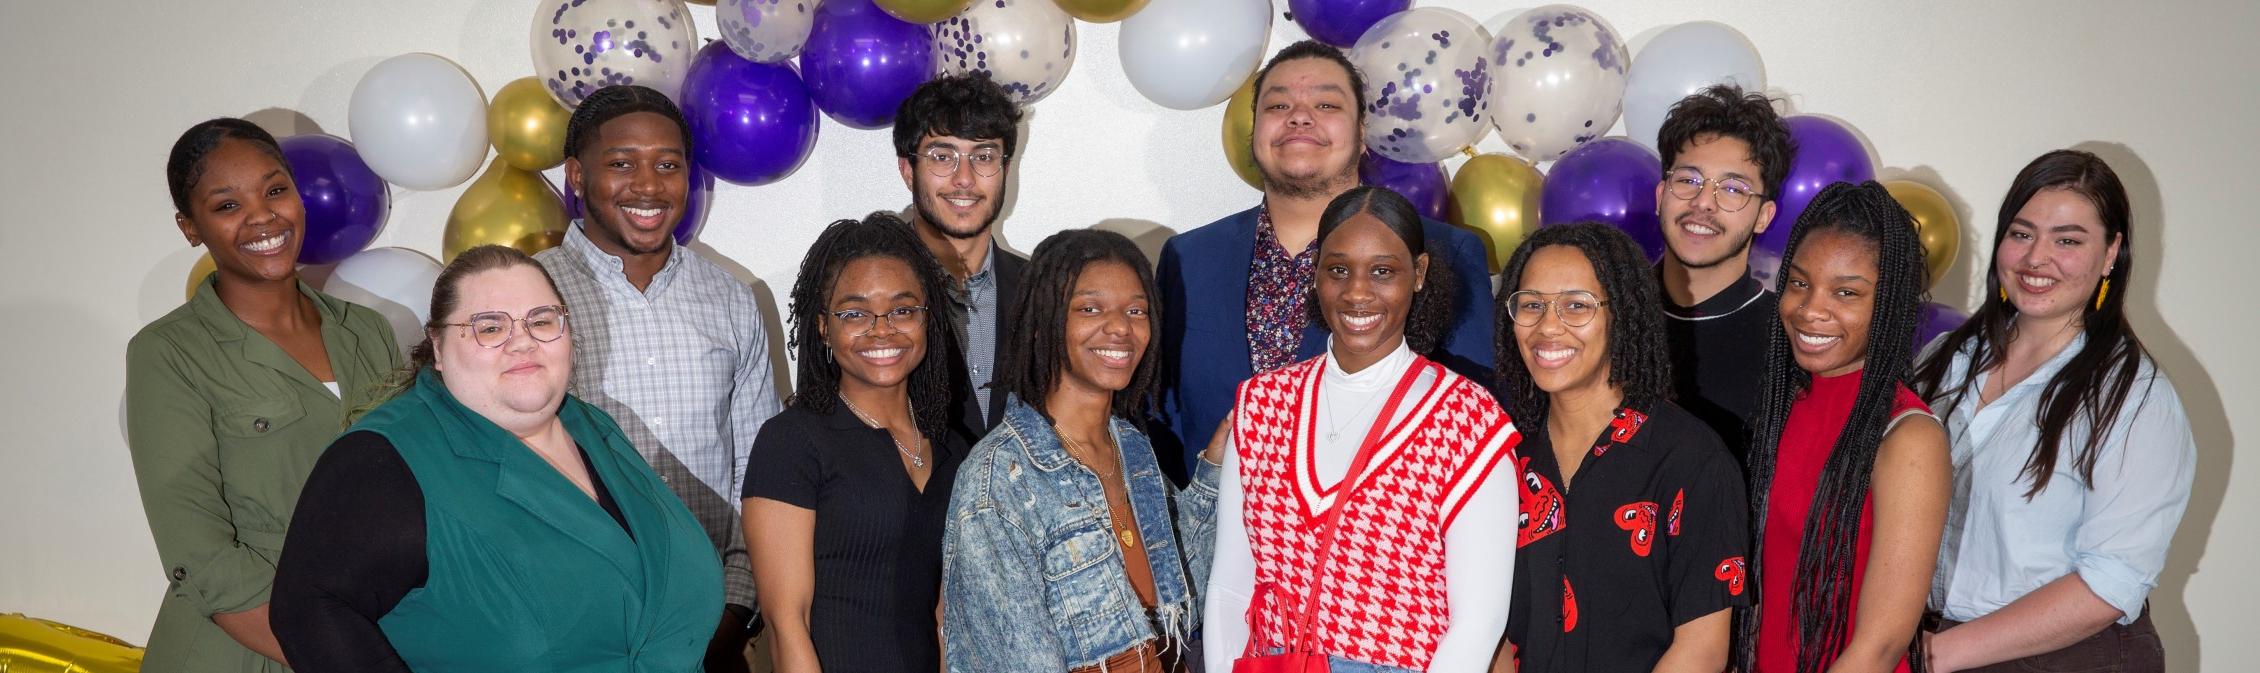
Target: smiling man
{"points": [[668, 343], [1725, 154], [1233, 291], [954, 143]]}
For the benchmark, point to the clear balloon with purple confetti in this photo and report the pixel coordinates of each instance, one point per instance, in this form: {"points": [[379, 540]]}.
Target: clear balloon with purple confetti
{"points": [[580, 46]]}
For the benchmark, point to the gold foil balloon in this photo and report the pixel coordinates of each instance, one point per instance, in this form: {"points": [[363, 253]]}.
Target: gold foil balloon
{"points": [[1935, 224], [1101, 11], [923, 11], [1240, 133], [204, 267], [29, 645], [527, 126], [505, 206], [1496, 196]]}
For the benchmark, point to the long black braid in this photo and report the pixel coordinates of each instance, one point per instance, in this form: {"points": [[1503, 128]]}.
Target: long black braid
{"points": [[1822, 590], [877, 235]]}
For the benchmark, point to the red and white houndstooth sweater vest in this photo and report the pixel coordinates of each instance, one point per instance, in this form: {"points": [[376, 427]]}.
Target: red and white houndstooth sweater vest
{"points": [[1383, 595]]}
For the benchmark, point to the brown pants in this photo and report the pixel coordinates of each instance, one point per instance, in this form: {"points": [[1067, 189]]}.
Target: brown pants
{"points": [[1153, 656], [2118, 648]]}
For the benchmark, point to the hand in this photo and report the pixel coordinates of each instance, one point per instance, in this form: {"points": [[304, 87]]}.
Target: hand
{"points": [[726, 652], [1214, 454]]}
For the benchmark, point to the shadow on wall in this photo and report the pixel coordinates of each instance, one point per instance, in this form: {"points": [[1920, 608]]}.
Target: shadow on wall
{"points": [[1954, 287], [1148, 235], [2201, 400], [772, 317]]}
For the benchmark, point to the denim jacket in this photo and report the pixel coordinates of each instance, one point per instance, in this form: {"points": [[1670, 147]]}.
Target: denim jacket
{"points": [[1032, 578]]}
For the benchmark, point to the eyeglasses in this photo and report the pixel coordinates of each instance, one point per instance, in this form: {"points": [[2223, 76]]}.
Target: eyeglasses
{"points": [[1732, 193], [1576, 308], [943, 162], [900, 319], [495, 328]]}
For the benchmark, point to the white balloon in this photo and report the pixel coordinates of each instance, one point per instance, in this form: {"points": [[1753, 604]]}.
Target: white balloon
{"points": [[419, 121], [1191, 54], [394, 282], [1026, 46], [1427, 90], [1680, 61], [580, 46], [766, 31], [1560, 80]]}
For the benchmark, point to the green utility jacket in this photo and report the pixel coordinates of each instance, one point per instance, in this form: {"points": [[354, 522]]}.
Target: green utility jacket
{"points": [[224, 427]]}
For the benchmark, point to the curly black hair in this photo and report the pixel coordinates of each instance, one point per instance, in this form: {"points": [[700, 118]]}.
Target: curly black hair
{"points": [[880, 234], [1639, 357], [185, 166], [1725, 111], [1430, 318], [1821, 600], [1322, 51], [617, 101], [1032, 369], [968, 105]]}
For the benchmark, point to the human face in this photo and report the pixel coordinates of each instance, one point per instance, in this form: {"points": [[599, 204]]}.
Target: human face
{"points": [[634, 181], [1108, 328], [1699, 233], [519, 384], [1365, 285], [1829, 302], [1563, 359], [884, 356], [960, 202], [2054, 254], [246, 208], [1306, 135]]}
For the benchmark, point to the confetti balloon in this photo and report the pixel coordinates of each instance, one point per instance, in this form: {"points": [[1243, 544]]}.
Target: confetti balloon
{"points": [[1559, 81], [1025, 46], [1427, 84], [765, 31], [580, 46]]}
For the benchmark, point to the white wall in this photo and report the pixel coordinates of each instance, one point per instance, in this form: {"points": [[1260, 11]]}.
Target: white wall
{"points": [[1959, 94]]}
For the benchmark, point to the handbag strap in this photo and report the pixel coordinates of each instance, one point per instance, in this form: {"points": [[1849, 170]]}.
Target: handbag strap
{"points": [[1358, 464]]}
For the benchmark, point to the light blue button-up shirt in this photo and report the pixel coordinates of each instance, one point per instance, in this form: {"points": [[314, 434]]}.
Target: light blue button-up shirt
{"points": [[2113, 531]]}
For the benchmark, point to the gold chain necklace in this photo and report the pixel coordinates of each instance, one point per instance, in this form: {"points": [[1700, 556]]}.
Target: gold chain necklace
{"points": [[1126, 533], [917, 461]]}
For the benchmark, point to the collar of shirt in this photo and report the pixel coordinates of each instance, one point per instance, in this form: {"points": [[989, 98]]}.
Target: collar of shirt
{"points": [[981, 282], [2031, 385], [1742, 294], [598, 262]]}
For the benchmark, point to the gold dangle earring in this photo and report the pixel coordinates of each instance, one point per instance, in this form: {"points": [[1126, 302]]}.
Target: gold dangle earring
{"points": [[2102, 292]]}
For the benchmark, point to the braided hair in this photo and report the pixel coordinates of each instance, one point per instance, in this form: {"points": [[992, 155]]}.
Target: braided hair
{"points": [[1032, 370], [1821, 596], [1639, 358], [879, 234]]}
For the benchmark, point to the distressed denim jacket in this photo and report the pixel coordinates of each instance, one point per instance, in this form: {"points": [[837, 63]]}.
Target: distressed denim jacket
{"points": [[1032, 578]]}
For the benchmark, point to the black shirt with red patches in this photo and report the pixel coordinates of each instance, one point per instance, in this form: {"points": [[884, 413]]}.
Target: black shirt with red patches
{"points": [[1651, 535]]}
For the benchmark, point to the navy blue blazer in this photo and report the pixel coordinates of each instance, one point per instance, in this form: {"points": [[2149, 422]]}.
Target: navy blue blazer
{"points": [[1203, 275]]}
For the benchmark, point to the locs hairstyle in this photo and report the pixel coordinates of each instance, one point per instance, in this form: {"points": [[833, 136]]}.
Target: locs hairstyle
{"points": [[876, 235], [1724, 110], [1822, 596], [185, 166], [2094, 385], [968, 106], [1639, 359], [1431, 314], [1032, 369]]}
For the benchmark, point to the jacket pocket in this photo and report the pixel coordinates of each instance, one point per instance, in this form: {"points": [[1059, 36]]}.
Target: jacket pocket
{"points": [[258, 418]]}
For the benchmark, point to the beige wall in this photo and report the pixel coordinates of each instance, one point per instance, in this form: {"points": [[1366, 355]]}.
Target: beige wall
{"points": [[1959, 94]]}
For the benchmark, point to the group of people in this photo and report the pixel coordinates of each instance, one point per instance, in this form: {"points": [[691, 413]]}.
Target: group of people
{"points": [[1311, 437]]}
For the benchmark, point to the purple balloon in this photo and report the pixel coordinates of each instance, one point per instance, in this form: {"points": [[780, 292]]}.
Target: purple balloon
{"points": [[1423, 184], [1828, 152], [861, 62], [1934, 319], [1612, 181], [751, 123], [346, 203], [695, 205], [1341, 22]]}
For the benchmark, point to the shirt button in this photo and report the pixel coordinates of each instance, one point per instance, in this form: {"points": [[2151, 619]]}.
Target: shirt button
{"points": [[259, 425], [180, 574], [658, 421], [664, 479], [651, 361]]}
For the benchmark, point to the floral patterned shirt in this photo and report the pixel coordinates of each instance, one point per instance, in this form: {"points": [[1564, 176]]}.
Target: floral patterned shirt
{"points": [[1277, 285]]}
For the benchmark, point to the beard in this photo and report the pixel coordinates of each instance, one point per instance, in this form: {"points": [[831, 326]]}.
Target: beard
{"points": [[920, 197], [1740, 246], [1320, 186]]}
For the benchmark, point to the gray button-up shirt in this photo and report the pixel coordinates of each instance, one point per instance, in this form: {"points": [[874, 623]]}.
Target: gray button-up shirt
{"points": [[683, 366], [978, 322]]}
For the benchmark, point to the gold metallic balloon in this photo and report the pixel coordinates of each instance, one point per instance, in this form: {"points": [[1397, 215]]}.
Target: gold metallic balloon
{"points": [[923, 11], [700, 2], [1496, 196], [527, 126], [204, 267], [505, 206], [1240, 133], [1935, 224], [1101, 11], [29, 645]]}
